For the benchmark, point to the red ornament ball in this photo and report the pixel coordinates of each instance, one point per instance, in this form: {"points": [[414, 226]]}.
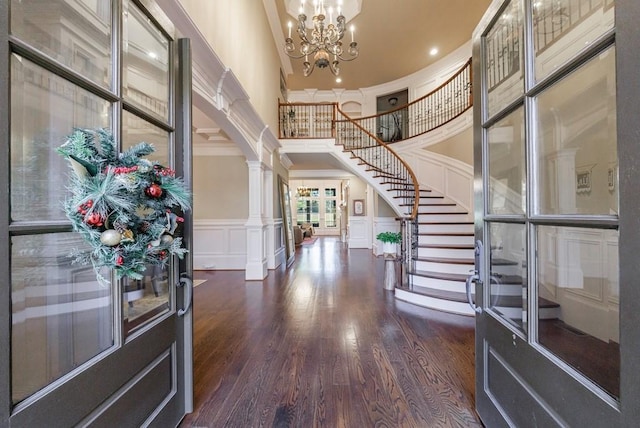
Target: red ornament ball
{"points": [[120, 260], [154, 191]]}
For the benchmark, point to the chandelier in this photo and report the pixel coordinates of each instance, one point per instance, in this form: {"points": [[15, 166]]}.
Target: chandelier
{"points": [[323, 43], [303, 192]]}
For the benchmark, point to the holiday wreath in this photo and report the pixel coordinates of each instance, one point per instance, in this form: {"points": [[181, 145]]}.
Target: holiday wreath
{"points": [[125, 206]]}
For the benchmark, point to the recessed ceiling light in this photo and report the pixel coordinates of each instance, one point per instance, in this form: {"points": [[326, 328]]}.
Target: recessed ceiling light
{"points": [[338, 80], [433, 51]]}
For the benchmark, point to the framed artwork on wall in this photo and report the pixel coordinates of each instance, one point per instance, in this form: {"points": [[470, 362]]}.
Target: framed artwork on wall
{"points": [[358, 207]]}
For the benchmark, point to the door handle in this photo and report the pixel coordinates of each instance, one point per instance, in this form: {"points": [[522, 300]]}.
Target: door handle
{"points": [[188, 287], [470, 279]]}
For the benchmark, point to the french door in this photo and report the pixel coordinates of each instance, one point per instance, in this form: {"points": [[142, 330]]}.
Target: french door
{"points": [[76, 351], [555, 146]]}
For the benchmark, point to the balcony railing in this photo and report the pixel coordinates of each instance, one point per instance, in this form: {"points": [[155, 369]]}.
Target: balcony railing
{"points": [[440, 106]]}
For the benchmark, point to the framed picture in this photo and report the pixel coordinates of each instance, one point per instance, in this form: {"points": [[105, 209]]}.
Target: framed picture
{"points": [[583, 179], [358, 207]]}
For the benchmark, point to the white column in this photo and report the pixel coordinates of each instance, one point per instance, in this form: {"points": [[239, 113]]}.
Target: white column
{"points": [[256, 229], [268, 216]]}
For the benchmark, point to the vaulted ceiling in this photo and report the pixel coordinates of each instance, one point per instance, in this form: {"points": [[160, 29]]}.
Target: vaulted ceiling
{"points": [[394, 37]]}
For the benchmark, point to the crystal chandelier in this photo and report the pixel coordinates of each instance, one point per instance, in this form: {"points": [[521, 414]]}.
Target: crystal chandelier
{"points": [[303, 192], [323, 43]]}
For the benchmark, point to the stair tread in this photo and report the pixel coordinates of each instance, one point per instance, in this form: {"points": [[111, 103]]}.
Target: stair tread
{"points": [[495, 261], [450, 260], [446, 233], [421, 196], [509, 279], [422, 204], [445, 222], [394, 189], [516, 302]]}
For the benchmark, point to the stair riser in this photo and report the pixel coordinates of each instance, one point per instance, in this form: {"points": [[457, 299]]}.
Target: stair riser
{"points": [[446, 252], [443, 218], [445, 239], [459, 286], [435, 201], [424, 211], [463, 269], [445, 228], [440, 284], [461, 308]]}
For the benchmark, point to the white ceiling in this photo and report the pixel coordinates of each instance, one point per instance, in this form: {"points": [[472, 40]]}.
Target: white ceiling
{"points": [[394, 37]]}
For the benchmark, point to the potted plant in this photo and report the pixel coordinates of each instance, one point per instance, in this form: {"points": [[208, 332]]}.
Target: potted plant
{"points": [[389, 241]]}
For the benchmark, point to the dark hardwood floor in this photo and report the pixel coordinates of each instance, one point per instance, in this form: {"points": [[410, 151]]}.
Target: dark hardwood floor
{"points": [[322, 344]]}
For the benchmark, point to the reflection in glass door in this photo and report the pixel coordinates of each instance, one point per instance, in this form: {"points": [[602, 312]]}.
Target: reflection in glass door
{"points": [[546, 148]]}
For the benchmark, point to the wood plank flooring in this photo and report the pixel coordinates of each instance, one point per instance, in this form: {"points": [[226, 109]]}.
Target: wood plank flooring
{"points": [[323, 345]]}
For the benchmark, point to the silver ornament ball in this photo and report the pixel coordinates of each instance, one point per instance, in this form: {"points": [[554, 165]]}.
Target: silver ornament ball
{"points": [[166, 239], [110, 237]]}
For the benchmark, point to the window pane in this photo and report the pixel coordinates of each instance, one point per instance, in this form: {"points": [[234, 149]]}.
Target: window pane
{"points": [[76, 33], [44, 111], [136, 130], [563, 28], [578, 270], [330, 213], [507, 165], [508, 273], [61, 316], [146, 63], [576, 139], [503, 58], [145, 299], [330, 192]]}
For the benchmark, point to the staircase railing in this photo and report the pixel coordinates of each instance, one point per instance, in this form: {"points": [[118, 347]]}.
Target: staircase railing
{"points": [[437, 108], [390, 169], [378, 158]]}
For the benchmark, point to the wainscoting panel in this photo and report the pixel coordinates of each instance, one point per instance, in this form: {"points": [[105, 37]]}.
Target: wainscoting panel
{"points": [[219, 244], [359, 232]]}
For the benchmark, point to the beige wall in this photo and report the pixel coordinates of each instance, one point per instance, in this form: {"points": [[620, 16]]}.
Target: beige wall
{"points": [[458, 147], [220, 187], [384, 209], [239, 33]]}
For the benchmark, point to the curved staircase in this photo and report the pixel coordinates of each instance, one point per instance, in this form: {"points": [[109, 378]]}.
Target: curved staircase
{"points": [[438, 236]]}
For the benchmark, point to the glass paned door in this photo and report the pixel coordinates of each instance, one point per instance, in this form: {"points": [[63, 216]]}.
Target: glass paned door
{"points": [[77, 351], [546, 146]]}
